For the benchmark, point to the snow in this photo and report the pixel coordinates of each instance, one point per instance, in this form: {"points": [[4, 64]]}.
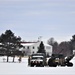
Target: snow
{"points": [[37, 56], [23, 68], [27, 44]]}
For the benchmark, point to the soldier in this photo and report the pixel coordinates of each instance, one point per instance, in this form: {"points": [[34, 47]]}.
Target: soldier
{"points": [[29, 60], [19, 59], [4, 59]]}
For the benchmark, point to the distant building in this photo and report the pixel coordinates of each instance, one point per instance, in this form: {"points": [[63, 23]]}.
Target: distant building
{"points": [[32, 47]]}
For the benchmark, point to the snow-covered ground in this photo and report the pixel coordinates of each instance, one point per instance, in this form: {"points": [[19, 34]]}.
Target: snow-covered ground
{"points": [[22, 68]]}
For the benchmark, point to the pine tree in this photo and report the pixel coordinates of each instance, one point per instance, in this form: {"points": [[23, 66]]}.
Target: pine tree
{"points": [[41, 48], [10, 43]]}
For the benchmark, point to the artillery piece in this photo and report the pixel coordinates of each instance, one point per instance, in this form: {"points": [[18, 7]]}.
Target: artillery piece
{"points": [[60, 60], [54, 60]]}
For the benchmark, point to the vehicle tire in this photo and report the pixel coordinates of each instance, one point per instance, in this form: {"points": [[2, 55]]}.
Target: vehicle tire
{"points": [[69, 64], [51, 64], [37, 65], [42, 65], [63, 65], [32, 65], [54, 65]]}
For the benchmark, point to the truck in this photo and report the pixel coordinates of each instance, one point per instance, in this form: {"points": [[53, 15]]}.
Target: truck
{"points": [[37, 59]]}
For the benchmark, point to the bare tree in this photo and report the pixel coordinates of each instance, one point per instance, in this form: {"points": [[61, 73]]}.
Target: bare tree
{"points": [[51, 41], [64, 48], [54, 44]]}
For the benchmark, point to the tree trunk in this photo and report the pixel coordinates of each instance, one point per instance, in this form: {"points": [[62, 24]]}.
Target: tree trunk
{"points": [[13, 58], [7, 58]]}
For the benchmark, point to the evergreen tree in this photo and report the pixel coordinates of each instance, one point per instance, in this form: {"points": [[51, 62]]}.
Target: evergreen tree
{"points": [[11, 43], [41, 48]]}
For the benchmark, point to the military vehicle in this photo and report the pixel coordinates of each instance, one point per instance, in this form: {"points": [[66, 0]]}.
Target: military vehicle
{"points": [[40, 59], [60, 60], [37, 59]]}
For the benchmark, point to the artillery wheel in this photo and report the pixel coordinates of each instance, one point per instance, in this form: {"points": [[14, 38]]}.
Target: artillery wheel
{"points": [[51, 64]]}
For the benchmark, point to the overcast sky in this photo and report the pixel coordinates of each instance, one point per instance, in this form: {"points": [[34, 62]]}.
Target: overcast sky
{"points": [[33, 18]]}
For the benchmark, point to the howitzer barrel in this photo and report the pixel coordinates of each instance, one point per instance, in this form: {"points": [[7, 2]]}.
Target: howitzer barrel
{"points": [[69, 58]]}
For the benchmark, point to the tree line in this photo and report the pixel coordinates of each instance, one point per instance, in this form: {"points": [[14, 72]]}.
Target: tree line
{"points": [[10, 45], [65, 47]]}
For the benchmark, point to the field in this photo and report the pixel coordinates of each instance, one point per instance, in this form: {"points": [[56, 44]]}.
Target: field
{"points": [[22, 68]]}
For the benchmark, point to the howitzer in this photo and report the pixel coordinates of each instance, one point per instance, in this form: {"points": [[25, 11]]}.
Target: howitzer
{"points": [[60, 60]]}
